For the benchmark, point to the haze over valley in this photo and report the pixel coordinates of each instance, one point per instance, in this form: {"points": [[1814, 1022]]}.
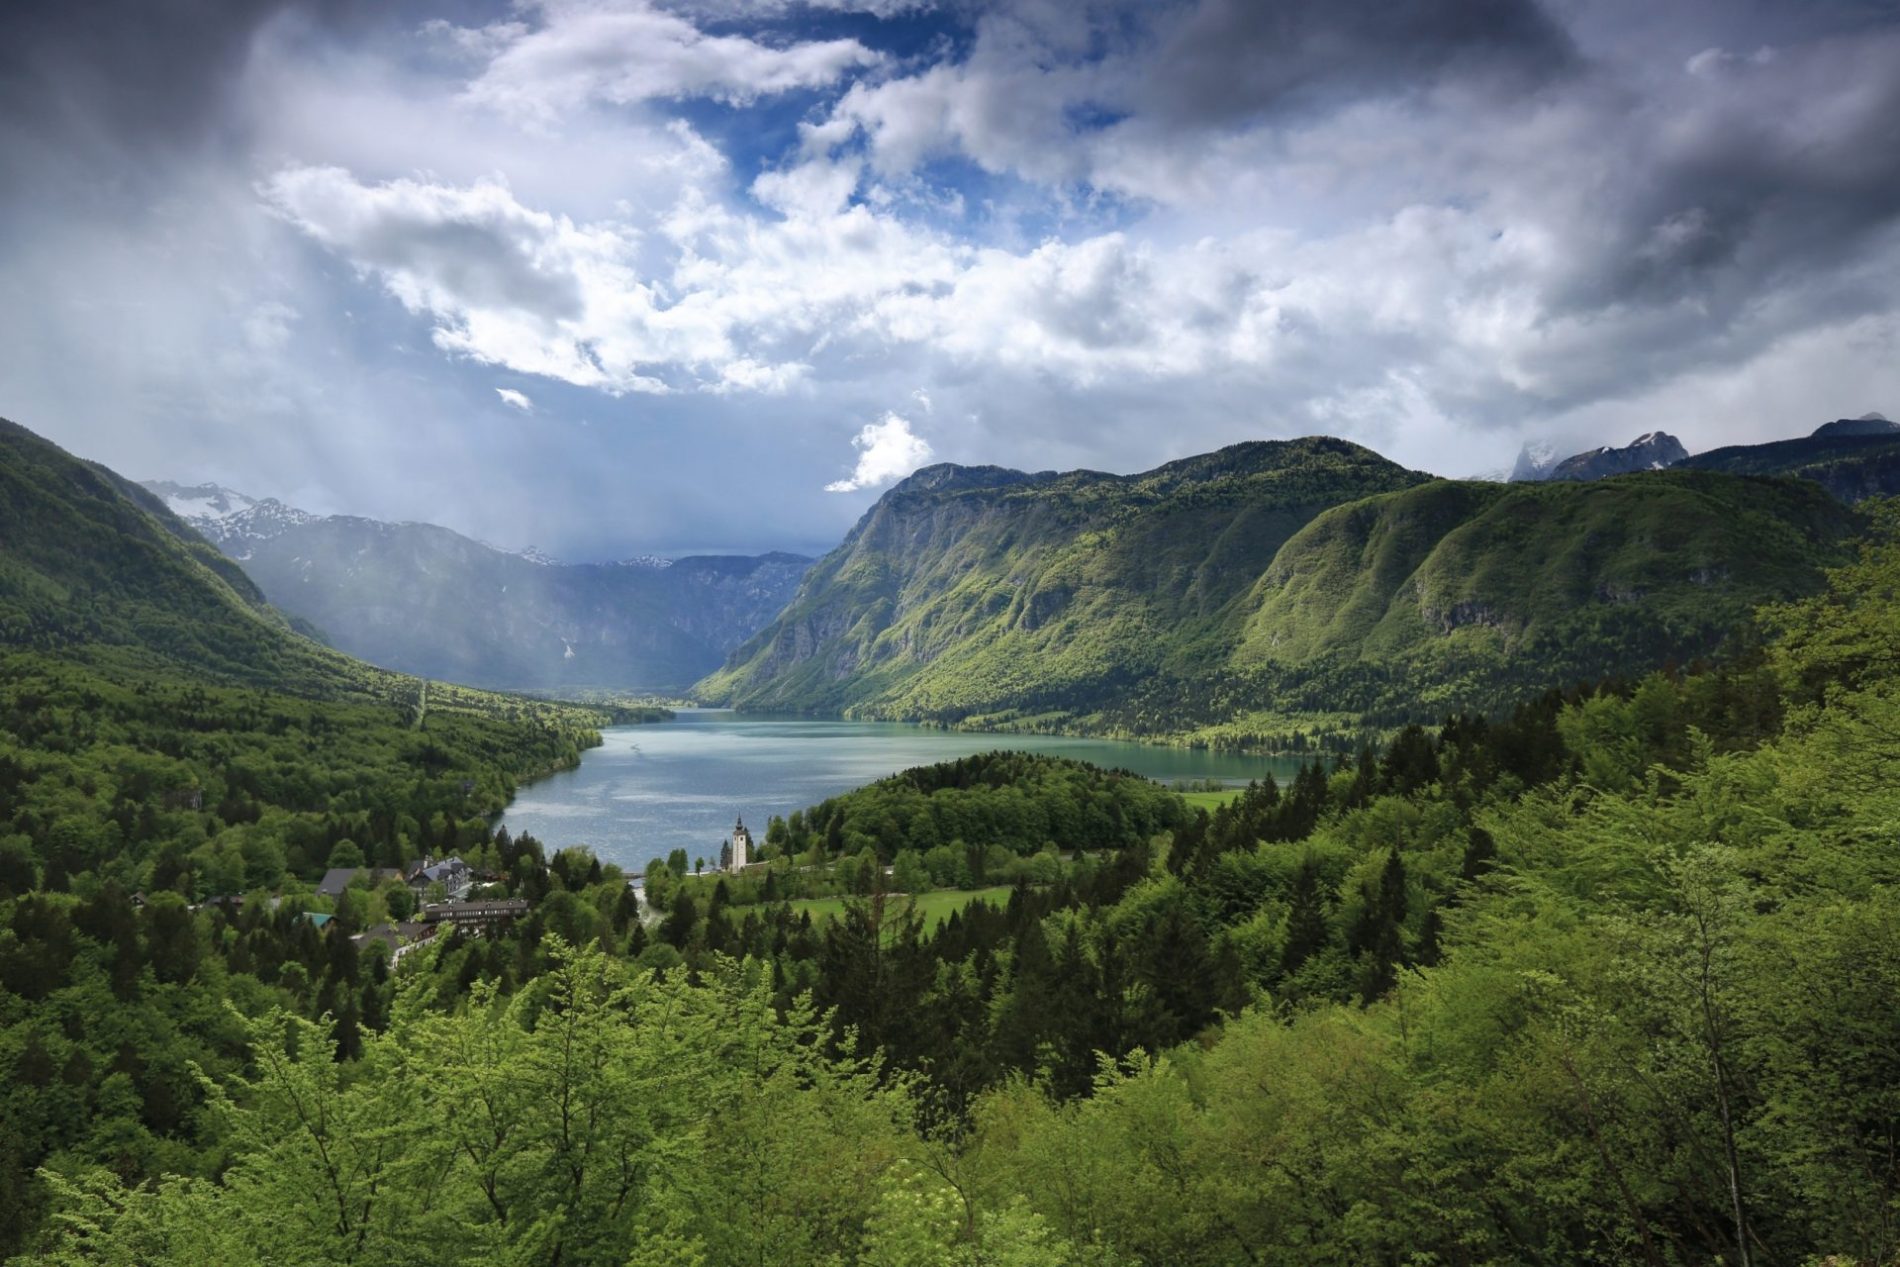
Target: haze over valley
{"points": [[425, 600]]}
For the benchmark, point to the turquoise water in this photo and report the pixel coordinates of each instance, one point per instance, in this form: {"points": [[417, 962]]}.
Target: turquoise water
{"points": [[678, 785]]}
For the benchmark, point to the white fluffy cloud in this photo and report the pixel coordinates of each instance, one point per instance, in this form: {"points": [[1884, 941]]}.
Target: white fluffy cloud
{"points": [[518, 400], [626, 51], [506, 284], [888, 450], [721, 301]]}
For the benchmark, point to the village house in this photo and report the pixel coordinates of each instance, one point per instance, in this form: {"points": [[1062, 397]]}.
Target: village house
{"points": [[478, 917], [452, 874], [337, 879], [401, 938]]}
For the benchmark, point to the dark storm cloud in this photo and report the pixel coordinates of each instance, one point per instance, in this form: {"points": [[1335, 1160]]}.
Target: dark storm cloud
{"points": [[144, 75], [101, 99], [1771, 162], [153, 71], [1233, 60]]}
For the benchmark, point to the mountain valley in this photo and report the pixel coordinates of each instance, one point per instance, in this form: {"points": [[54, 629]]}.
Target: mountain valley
{"points": [[422, 599]]}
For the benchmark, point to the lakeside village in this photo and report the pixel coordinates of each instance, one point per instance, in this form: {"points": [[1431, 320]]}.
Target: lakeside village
{"points": [[498, 881], [398, 908]]}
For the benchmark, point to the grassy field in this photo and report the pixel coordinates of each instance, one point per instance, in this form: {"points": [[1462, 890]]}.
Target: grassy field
{"points": [[1211, 801], [935, 905]]}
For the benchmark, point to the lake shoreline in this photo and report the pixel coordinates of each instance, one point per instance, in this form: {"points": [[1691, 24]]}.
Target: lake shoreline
{"points": [[1203, 739], [658, 786]]}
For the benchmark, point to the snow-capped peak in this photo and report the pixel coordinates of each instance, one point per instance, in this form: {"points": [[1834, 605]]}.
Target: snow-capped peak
{"points": [[1534, 461], [201, 501], [228, 519], [645, 561]]}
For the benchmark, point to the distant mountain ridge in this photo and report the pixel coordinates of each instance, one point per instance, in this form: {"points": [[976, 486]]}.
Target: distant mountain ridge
{"points": [[1874, 424], [1853, 458], [1289, 577], [1651, 452], [1535, 461], [426, 600]]}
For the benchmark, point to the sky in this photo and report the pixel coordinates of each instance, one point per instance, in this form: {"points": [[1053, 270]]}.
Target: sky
{"points": [[615, 277]]}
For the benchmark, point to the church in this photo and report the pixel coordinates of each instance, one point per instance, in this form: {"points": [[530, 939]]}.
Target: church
{"points": [[737, 852]]}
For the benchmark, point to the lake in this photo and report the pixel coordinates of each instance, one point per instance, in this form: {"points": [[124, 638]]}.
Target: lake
{"points": [[679, 784]]}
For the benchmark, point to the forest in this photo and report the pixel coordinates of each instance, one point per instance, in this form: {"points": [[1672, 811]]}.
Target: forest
{"points": [[1612, 978]]}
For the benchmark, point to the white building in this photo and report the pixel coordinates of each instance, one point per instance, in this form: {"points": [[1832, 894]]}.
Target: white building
{"points": [[737, 852]]}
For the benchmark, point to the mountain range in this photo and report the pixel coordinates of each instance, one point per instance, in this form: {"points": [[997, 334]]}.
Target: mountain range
{"points": [[1226, 598], [425, 600], [1227, 593], [1853, 458]]}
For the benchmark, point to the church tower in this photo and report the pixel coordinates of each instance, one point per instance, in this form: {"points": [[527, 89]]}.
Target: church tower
{"points": [[741, 846]]}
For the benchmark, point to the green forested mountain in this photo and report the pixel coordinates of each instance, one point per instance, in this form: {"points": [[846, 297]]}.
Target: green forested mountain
{"points": [[1612, 977], [1484, 587], [1229, 594], [88, 560], [976, 590]]}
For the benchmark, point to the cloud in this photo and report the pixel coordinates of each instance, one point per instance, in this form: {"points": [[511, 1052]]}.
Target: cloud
{"points": [[1438, 228], [518, 400], [155, 75], [1466, 311], [626, 51], [268, 327], [1233, 60], [887, 451], [1062, 93], [507, 285], [715, 300], [734, 10]]}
